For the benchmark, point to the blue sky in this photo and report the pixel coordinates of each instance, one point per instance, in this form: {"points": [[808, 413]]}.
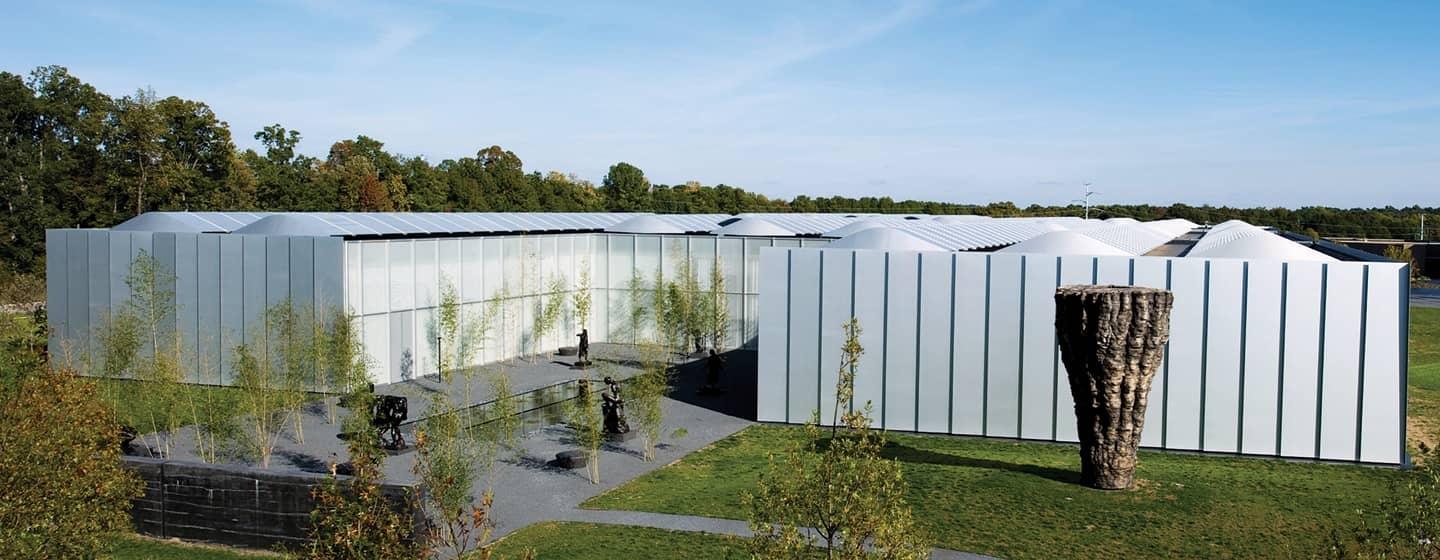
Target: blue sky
{"points": [[1198, 101]]}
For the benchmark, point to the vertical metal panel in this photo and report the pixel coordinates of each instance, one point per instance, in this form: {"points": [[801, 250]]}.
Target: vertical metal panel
{"points": [[471, 279], [833, 293], [375, 262], [1301, 358], [427, 273], [566, 272], [277, 271], [77, 289], [600, 283], [493, 271], [898, 408], [402, 274], [1149, 272], [1038, 386], [752, 263], [771, 360], [328, 277], [804, 334], [1114, 271], [120, 257], [621, 264], [254, 288], [377, 348], [426, 344], [869, 306], [1381, 423], [1341, 369], [57, 304], [232, 301], [354, 281], [650, 252], [98, 302], [301, 274], [1187, 331], [1222, 355], [934, 337], [207, 303], [1262, 358], [702, 257], [447, 253], [731, 253], [967, 394], [187, 304], [1073, 271], [1002, 397], [402, 346]]}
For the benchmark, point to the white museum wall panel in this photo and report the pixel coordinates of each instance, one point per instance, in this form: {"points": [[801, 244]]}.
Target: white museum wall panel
{"points": [[1290, 359]]}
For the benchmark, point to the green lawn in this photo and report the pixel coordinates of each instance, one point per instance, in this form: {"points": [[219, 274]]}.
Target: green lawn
{"points": [[1424, 376], [1022, 500], [139, 548], [584, 541]]}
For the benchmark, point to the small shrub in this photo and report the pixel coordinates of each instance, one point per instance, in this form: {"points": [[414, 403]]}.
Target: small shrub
{"points": [[353, 519]]}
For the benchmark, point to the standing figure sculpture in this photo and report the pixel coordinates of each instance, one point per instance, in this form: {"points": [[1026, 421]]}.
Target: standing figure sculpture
{"points": [[613, 406], [714, 366], [582, 354]]}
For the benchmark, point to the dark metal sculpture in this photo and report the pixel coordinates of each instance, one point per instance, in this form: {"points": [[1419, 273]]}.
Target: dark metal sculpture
{"points": [[714, 367], [127, 439], [388, 413], [613, 406], [582, 356]]}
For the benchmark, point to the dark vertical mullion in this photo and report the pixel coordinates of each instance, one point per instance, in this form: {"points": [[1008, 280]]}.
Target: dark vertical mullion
{"points": [[1204, 352], [852, 313], [985, 360], [1320, 367], [1280, 385], [1404, 339], [1244, 327], [950, 391], [919, 309], [885, 346], [789, 290], [1055, 369], [1360, 385], [820, 338], [1020, 360]]}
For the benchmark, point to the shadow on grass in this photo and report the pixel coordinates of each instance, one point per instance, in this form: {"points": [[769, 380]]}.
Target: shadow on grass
{"points": [[907, 454]]}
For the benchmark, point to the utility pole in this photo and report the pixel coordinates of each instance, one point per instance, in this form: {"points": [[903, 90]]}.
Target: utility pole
{"points": [[1422, 227], [1086, 201]]}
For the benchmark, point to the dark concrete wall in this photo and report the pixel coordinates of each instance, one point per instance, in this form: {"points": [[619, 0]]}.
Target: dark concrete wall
{"points": [[232, 505], [1427, 253]]}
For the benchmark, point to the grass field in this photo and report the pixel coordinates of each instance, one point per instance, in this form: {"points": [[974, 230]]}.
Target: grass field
{"points": [[1424, 397], [1022, 500], [586, 541]]}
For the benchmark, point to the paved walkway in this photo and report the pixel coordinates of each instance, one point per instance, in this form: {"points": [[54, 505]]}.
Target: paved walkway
{"points": [[711, 525], [1424, 297]]}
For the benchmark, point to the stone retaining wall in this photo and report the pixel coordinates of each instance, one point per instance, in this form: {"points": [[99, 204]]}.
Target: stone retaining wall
{"points": [[231, 505]]}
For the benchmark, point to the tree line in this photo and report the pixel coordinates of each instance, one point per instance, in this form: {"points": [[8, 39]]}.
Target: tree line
{"points": [[73, 156]]}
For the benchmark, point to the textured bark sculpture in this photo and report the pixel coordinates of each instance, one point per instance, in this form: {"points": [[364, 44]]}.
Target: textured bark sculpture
{"points": [[1112, 339]]}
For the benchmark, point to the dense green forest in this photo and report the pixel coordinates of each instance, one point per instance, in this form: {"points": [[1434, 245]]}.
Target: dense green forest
{"points": [[73, 156]]}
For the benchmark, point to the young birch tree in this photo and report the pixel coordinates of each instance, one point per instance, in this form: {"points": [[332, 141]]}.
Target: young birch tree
{"points": [[582, 297], [588, 423], [837, 483]]}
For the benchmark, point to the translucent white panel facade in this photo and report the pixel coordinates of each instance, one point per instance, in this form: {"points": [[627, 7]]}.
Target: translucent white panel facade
{"points": [[1289, 359]]}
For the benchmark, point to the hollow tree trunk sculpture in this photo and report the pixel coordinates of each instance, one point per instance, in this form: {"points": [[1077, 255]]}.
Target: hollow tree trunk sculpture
{"points": [[1112, 339]]}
